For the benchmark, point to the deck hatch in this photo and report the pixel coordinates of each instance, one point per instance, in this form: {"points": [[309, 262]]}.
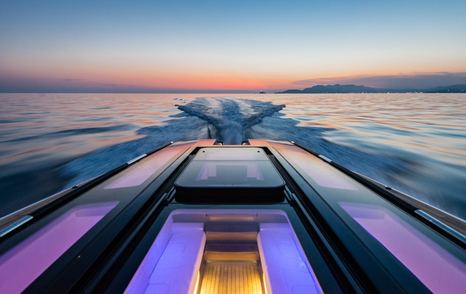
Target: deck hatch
{"points": [[230, 175]]}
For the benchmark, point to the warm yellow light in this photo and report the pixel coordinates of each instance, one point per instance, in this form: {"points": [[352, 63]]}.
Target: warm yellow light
{"points": [[198, 278], [264, 282], [239, 277]]}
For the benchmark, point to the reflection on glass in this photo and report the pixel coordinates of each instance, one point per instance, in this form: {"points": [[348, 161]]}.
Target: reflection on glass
{"points": [[22, 264], [138, 174], [315, 169], [439, 270]]}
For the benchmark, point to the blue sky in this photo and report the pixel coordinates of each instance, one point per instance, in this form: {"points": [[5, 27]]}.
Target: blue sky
{"points": [[225, 45]]}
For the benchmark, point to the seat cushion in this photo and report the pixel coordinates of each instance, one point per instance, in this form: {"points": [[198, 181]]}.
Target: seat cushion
{"points": [[283, 262]]}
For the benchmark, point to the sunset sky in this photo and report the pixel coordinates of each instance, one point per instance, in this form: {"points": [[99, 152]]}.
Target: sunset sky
{"points": [[229, 45]]}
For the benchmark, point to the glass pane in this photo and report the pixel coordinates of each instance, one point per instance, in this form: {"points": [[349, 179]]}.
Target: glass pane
{"points": [[439, 270], [231, 153], [22, 264], [221, 173], [138, 173]]}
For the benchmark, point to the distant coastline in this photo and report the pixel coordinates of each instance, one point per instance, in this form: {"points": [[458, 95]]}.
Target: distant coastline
{"points": [[316, 89], [350, 88]]}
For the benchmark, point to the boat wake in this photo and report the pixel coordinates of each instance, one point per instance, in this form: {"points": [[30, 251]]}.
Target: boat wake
{"points": [[236, 120], [228, 119]]}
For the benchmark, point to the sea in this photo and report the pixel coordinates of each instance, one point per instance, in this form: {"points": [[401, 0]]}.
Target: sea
{"points": [[413, 142]]}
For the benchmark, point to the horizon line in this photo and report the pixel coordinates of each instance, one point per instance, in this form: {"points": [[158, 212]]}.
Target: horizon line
{"points": [[206, 91]]}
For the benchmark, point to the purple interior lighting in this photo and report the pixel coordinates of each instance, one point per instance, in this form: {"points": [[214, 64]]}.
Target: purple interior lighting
{"points": [[173, 261], [439, 270], [141, 171], [283, 261], [22, 264]]}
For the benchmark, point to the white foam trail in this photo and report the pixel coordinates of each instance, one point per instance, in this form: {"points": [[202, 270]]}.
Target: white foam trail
{"points": [[230, 118]]}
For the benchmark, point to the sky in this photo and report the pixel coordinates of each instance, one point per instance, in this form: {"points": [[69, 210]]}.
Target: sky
{"points": [[199, 45]]}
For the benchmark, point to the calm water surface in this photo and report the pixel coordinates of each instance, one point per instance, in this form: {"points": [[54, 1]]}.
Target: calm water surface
{"points": [[413, 142]]}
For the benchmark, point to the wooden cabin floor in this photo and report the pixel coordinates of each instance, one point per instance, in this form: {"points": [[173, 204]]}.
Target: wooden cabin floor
{"points": [[231, 277]]}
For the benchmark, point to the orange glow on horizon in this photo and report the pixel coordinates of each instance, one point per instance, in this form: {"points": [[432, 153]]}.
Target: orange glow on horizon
{"points": [[145, 78]]}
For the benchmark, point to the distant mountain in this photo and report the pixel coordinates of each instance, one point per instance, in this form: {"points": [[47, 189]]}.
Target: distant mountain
{"points": [[447, 89], [337, 88]]}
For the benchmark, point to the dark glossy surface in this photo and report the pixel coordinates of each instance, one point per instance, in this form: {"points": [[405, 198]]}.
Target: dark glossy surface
{"points": [[362, 239], [21, 265], [59, 235], [372, 218], [230, 168]]}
